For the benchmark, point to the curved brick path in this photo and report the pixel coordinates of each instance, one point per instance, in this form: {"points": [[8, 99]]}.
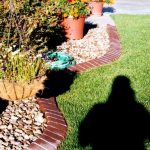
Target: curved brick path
{"points": [[56, 130]]}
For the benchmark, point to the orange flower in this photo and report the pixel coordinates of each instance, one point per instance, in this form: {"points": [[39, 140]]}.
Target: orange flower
{"points": [[76, 10], [112, 2], [71, 12], [58, 13], [76, 15], [83, 0], [65, 15], [73, 2], [69, 1], [80, 7], [103, 2], [72, 7], [86, 8]]}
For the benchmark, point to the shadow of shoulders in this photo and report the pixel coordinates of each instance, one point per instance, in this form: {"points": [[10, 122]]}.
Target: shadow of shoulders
{"points": [[119, 124]]}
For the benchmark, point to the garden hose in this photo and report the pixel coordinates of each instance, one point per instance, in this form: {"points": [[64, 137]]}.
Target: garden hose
{"points": [[63, 60]]}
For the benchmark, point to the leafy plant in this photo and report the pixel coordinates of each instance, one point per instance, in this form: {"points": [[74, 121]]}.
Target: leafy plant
{"points": [[73, 8], [29, 22], [24, 29]]}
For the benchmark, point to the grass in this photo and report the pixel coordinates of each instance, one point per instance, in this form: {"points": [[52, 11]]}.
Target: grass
{"points": [[94, 86]]}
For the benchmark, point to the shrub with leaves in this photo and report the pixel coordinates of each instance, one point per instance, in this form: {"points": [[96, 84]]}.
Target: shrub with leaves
{"points": [[29, 22], [26, 27]]}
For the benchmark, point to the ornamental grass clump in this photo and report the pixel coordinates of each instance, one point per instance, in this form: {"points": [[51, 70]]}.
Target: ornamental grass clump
{"points": [[21, 64], [73, 8]]}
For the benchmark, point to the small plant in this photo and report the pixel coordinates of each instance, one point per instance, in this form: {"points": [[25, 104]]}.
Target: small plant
{"points": [[21, 64], [73, 8]]}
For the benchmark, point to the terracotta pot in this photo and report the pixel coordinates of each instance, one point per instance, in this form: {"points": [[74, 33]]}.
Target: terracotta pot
{"points": [[73, 28], [96, 8]]}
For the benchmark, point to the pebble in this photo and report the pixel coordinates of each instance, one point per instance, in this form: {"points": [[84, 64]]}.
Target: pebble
{"points": [[21, 124], [94, 44]]}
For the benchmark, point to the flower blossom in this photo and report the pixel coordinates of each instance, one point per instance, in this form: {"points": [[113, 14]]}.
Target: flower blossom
{"points": [[39, 55], [15, 52], [3, 68]]}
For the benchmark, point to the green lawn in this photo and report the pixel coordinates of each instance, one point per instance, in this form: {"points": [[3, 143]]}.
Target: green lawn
{"points": [[94, 85]]}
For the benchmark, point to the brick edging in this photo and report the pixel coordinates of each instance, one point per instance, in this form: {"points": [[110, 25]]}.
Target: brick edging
{"points": [[56, 130], [113, 53]]}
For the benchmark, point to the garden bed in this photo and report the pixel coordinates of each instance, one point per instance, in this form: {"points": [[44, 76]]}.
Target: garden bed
{"points": [[53, 124], [93, 45]]}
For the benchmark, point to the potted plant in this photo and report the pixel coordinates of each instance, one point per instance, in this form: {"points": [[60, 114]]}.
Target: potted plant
{"points": [[73, 13], [22, 47], [97, 6]]}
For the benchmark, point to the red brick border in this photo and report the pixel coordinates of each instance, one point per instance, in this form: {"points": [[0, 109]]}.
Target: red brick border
{"points": [[56, 130]]}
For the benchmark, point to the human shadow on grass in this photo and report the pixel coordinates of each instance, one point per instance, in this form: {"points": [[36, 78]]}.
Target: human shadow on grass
{"points": [[58, 82], [119, 124]]}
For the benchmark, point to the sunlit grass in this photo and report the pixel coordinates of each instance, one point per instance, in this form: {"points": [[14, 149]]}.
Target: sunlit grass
{"points": [[94, 85]]}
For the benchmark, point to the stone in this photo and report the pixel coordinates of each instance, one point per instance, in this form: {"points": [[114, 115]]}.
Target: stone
{"points": [[37, 131], [9, 127], [14, 117], [18, 130], [26, 136], [17, 124], [11, 137], [2, 127]]}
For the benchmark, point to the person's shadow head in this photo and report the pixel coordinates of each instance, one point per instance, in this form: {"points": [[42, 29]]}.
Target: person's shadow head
{"points": [[119, 124], [122, 92]]}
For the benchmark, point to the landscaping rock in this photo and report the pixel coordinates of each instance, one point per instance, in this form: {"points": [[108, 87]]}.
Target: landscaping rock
{"points": [[21, 124], [93, 45]]}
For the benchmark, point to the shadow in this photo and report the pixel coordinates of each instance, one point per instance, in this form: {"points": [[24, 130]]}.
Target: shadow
{"points": [[108, 10], [58, 82], [49, 39], [87, 27], [119, 124], [3, 105]]}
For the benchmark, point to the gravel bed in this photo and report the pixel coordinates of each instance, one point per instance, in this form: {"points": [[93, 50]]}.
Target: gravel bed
{"points": [[93, 45], [21, 124]]}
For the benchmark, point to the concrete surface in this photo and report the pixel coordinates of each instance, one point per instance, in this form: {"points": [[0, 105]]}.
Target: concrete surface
{"points": [[120, 7], [130, 7]]}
